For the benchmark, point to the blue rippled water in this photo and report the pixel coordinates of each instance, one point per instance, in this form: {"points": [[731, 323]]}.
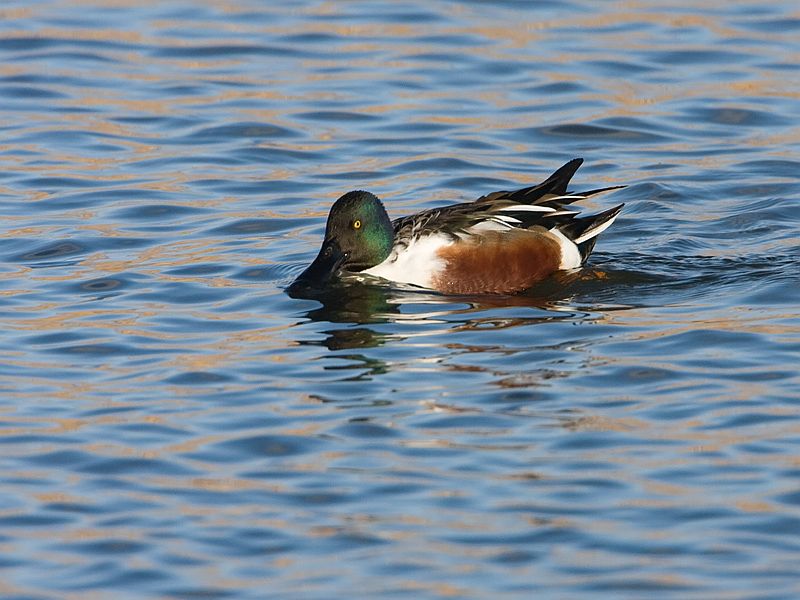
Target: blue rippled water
{"points": [[174, 425]]}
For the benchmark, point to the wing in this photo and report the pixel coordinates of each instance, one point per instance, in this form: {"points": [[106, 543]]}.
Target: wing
{"points": [[543, 205]]}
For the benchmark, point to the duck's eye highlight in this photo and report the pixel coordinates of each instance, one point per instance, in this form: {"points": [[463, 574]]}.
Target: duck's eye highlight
{"points": [[356, 224]]}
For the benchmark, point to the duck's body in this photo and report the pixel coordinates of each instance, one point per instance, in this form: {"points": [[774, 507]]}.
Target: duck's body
{"points": [[503, 242]]}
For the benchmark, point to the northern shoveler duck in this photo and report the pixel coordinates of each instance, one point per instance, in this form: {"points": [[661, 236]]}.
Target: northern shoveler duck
{"points": [[503, 242]]}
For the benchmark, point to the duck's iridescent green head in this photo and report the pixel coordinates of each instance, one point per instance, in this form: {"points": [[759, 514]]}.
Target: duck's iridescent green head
{"points": [[359, 235]]}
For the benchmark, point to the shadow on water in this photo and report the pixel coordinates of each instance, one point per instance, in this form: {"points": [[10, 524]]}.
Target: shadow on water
{"points": [[642, 281], [364, 301], [355, 316]]}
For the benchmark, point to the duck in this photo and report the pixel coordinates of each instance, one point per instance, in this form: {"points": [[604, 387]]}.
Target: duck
{"points": [[502, 243]]}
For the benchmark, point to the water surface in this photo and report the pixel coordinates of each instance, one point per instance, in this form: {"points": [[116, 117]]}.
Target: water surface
{"points": [[174, 425]]}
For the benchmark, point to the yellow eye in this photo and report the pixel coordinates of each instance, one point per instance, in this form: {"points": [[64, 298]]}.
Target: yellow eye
{"points": [[356, 224]]}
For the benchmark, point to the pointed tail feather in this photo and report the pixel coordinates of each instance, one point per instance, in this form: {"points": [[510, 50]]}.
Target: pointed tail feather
{"points": [[557, 182], [558, 202], [600, 191], [583, 231], [556, 185]]}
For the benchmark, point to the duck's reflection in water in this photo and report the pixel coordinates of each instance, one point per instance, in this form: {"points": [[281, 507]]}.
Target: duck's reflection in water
{"points": [[356, 302]]}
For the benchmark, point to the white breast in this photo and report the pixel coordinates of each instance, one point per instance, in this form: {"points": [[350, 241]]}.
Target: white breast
{"points": [[417, 264]]}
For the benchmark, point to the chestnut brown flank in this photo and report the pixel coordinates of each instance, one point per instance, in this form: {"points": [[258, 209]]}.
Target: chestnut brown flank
{"points": [[498, 263]]}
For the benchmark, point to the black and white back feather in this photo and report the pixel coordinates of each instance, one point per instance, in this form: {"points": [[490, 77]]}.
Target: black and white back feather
{"points": [[542, 205]]}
